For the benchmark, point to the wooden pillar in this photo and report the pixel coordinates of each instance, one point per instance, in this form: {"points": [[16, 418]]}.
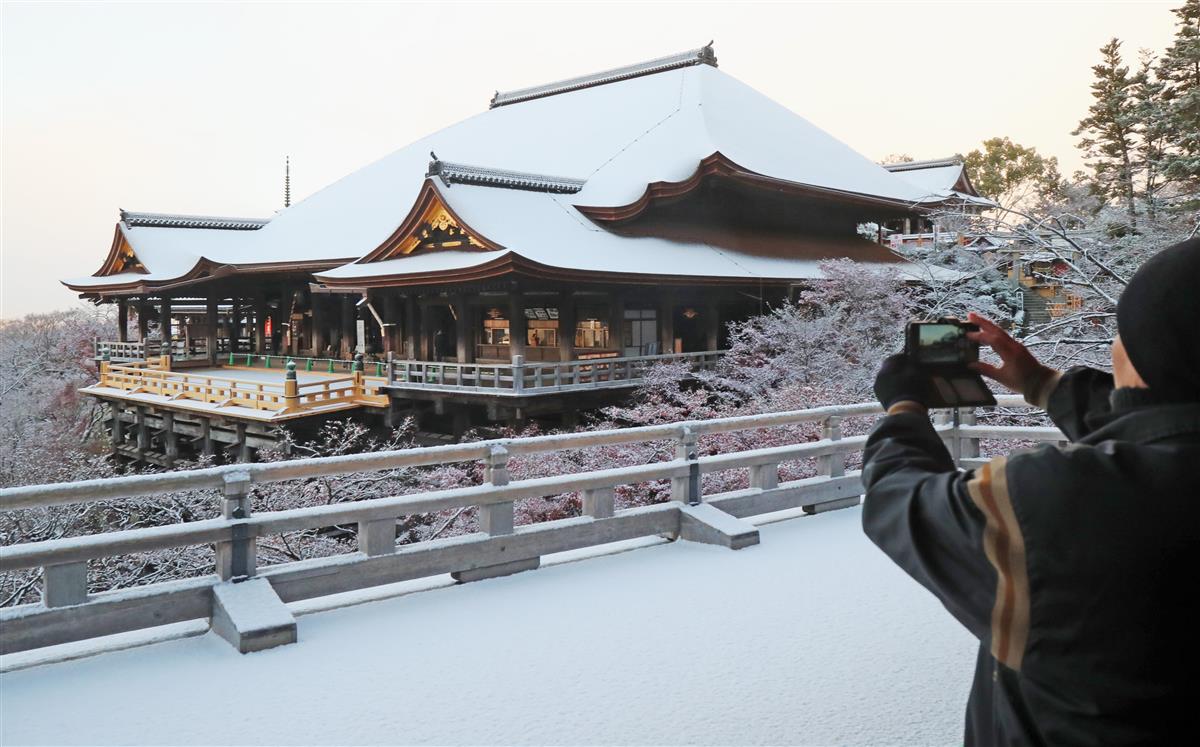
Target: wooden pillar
{"points": [[463, 346], [391, 317], [206, 440], [243, 445], [260, 320], [395, 318], [117, 432], [164, 324], [616, 323], [410, 327], [346, 349], [517, 325], [318, 326], [235, 323], [666, 324], [566, 326], [143, 319], [122, 320], [143, 434], [423, 334], [210, 313], [170, 440], [712, 326]]}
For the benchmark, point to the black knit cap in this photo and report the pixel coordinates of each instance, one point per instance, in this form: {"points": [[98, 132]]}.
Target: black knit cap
{"points": [[1158, 318]]}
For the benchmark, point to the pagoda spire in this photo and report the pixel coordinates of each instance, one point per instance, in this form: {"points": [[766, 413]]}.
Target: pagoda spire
{"points": [[287, 181]]}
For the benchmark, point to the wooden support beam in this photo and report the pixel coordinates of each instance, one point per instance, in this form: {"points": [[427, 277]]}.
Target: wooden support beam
{"points": [[712, 326], [260, 321], [666, 324], [346, 349], [566, 326], [143, 433], [117, 428], [210, 317], [206, 439], [170, 440], [410, 326], [319, 328], [143, 316], [243, 445], [235, 323], [164, 324], [462, 329], [122, 320], [517, 325]]}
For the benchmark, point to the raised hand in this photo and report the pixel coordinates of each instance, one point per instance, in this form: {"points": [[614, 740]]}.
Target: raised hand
{"points": [[1018, 370]]}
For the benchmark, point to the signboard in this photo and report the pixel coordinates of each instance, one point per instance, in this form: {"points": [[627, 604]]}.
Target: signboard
{"points": [[361, 331]]}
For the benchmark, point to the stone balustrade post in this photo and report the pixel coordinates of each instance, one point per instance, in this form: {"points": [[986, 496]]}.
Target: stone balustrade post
{"points": [[64, 585], [831, 465], [496, 518], [236, 558], [968, 447], [687, 489], [518, 373]]}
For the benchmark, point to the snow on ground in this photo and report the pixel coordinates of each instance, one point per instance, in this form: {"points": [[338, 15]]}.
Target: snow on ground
{"points": [[812, 637]]}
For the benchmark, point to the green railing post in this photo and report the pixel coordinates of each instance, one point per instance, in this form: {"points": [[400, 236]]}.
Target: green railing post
{"points": [[308, 365], [330, 365], [248, 360], [267, 364]]}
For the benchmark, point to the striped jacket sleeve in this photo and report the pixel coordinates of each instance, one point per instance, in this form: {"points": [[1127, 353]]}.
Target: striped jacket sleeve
{"points": [[955, 533]]}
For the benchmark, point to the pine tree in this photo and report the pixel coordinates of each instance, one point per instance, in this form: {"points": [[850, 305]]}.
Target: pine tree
{"points": [[1109, 130], [1179, 71], [1154, 133]]}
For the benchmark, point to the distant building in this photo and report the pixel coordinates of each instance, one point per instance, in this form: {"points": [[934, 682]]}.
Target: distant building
{"points": [[944, 179]]}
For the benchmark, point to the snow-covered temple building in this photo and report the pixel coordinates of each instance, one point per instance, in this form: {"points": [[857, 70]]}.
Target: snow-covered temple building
{"points": [[623, 214]]}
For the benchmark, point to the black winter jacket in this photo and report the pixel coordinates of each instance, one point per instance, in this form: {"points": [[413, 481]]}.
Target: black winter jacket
{"points": [[1074, 566]]}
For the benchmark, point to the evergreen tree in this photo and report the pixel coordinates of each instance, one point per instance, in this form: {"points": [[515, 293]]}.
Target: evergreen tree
{"points": [[1154, 133], [1109, 131], [1179, 71]]}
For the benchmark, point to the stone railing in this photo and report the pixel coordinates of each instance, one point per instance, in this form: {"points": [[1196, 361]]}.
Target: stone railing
{"points": [[247, 604]]}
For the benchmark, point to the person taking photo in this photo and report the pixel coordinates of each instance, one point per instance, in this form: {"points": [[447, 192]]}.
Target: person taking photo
{"points": [[1073, 565]]}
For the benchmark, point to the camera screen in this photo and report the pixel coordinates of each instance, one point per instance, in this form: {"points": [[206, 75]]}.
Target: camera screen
{"points": [[940, 343]]}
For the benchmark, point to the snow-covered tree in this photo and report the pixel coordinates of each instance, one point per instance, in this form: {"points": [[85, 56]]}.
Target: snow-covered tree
{"points": [[1110, 130], [1179, 72]]}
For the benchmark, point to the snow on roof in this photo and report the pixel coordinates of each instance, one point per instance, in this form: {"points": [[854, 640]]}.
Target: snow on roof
{"points": [[941, 178], [812, 637], [619, 137]]}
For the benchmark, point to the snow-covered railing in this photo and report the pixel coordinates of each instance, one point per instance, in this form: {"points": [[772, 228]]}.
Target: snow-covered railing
{"points": [[69, 613], [285, 396], [522, 378], [195, 348]]}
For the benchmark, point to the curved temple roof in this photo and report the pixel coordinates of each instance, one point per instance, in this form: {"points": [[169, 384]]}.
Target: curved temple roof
{"points": [[615, 135]]}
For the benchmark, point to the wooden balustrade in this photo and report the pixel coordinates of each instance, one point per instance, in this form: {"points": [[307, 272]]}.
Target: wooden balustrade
{"points": [[229, 391], [69, 613], [522, 377]]}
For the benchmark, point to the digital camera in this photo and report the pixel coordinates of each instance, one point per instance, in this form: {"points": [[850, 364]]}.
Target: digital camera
{"points": [[942, 350]]}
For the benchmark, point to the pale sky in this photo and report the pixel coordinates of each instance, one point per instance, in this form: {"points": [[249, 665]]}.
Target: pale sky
{"points": [[191, 108]]}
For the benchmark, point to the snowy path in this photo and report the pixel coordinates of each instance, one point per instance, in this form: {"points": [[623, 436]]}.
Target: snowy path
{"points": [[812, 637]]}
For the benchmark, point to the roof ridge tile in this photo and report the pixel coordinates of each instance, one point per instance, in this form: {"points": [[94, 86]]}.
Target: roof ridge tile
{"points": [[701, 56]]}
